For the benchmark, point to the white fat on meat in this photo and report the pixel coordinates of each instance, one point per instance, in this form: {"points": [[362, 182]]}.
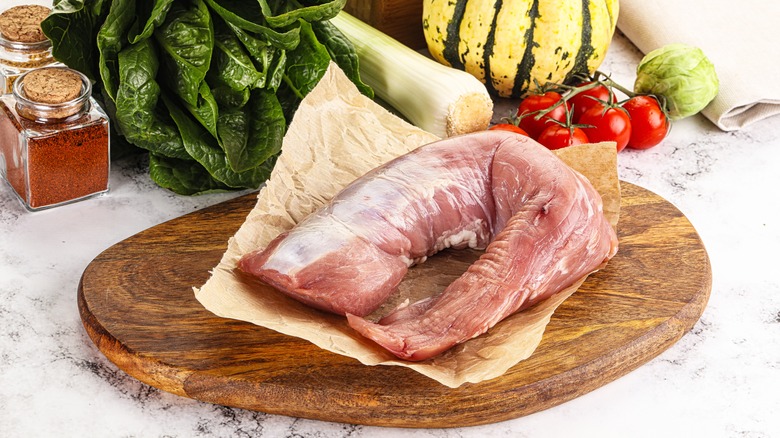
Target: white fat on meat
{"points": [[306, 245]]}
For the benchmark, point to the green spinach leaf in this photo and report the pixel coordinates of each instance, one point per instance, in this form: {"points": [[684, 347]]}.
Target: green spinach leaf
{"points": [[206, 111], [184, 177], [269, 59], [72, 27], [227, 97], [154, 18], [205, 150], [110, 39], [231, 65], [252, 134], [137, 114], [256, 46], [307, 63], [186, 38], [275, 74], [250, 18], [120, 147], [342, 52], [280, 13]]}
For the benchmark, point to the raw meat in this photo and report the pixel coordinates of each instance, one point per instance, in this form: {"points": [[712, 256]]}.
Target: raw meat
{"points": [[541, 224], [350, 255]]}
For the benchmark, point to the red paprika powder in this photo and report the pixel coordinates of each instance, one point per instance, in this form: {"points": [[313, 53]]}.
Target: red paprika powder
{"points": [[54, 139]]}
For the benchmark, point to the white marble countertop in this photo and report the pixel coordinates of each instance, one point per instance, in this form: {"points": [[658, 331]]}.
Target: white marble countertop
{"points": [[721, 380]]}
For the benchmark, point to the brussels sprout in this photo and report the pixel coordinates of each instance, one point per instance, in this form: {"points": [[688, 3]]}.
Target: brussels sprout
{"points": [[680, 74]]}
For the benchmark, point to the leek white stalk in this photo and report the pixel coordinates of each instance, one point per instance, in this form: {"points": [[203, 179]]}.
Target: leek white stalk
{"points": [[439, 99]]}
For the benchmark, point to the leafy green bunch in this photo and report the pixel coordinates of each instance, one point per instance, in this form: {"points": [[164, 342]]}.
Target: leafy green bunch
{"points": [[207, 87]]}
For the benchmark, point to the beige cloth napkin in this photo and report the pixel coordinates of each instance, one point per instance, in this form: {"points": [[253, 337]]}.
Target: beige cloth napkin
{"points": [[741, 38]]}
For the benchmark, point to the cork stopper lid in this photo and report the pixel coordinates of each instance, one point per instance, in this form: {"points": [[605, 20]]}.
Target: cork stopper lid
{"points": [[52, 85], [51, 93], [23, 23]]}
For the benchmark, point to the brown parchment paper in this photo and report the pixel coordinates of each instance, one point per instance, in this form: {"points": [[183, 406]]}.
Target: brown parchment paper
{"points": [[336, 136]]}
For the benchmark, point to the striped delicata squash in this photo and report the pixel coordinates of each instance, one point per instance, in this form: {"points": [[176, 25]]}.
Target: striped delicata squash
{"points": [[510, 44]]}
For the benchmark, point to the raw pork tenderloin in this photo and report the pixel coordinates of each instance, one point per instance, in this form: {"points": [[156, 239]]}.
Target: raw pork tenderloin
{"points": [[540, 222]]}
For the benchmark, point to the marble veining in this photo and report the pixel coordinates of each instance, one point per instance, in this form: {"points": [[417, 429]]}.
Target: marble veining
{"points": [[722, 379]]}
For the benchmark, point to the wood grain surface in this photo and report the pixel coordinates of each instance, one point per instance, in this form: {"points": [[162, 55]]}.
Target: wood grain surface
{"points": [[137, 305], [401, 19]]}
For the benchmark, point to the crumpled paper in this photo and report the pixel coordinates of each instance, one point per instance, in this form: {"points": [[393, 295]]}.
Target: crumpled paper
{"points": [[739, 38], [336, 136]]}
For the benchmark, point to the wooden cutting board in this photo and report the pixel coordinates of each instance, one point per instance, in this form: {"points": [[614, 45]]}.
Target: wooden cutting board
{"points": [[137, 305]]}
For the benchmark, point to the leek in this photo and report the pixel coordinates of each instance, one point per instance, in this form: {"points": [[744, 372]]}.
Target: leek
{"points": [[439, 99]]}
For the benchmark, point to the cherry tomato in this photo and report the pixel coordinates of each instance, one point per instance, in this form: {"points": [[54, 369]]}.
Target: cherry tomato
{"points": [[558, 136], [529, 108], [584, 100], [607, 124], [509, 127], [649, 124]]}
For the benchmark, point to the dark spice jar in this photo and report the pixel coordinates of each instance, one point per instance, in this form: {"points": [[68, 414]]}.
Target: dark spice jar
{"points": [[23, 46], [54, 138]]}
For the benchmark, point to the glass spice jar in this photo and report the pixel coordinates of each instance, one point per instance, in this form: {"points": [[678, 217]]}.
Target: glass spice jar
{"points": [[23, 46], [54, 139]]}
